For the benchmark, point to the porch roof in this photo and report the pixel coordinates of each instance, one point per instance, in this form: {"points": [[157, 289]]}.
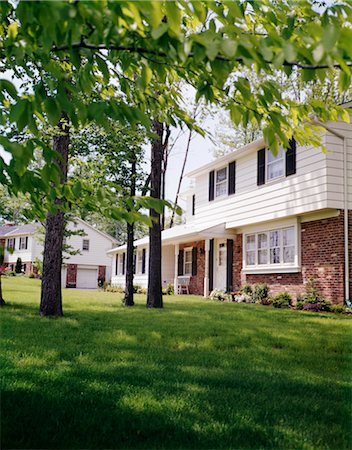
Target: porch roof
{"points": [[181, 234]]}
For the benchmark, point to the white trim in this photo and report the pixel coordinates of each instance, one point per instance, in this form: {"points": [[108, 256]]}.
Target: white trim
{"points": [[259, 270], [187, 250]]}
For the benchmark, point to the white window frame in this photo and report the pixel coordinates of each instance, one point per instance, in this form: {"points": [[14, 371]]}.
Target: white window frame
{"points": [[83, 242], [268, 267], [187, 264], [139, 262], [11, 242], [120, 264], [223, 182], [22, 244], [280, 157]]}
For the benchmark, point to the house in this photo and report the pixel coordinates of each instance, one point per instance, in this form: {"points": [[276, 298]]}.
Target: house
{"points": [[81, 270], [254, 217]]}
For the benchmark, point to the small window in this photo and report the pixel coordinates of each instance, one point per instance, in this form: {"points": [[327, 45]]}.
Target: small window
{"points": [[23, 243], [11, 244], [288, 243], [250, 249], [121, 263], [187, 268], [222, 254], [221, 182], [85, 245], [262, 248], [275, 247], [139, 261], [275, 167]]}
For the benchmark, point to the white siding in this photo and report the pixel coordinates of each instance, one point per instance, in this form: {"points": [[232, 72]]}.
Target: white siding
{"points": [[305, 191], [25, 255]]}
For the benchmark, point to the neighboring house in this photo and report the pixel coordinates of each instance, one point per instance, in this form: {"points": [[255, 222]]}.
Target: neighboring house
{"points": [[81, 270], [253, 217]]}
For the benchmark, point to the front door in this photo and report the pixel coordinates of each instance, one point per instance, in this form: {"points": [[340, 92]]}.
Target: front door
{"points": [[220, 265]]}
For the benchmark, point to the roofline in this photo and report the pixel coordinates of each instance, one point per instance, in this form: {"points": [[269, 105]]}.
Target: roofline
{"points": [[95, 229]]}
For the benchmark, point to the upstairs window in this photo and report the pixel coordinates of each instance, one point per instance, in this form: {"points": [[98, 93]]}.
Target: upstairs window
{"points": [[11, 244], [275, 167], [23, 243], [85, 245], [221, 182]]}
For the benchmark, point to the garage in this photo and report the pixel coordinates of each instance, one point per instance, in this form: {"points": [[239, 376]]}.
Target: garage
{"points": [[87, 278]]}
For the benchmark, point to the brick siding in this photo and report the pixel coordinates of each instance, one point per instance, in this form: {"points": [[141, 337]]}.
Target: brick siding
{"points": [[196, 285], [71, 275]]}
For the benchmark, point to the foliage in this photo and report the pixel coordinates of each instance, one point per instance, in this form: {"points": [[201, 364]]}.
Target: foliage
{"points": [[247, 289], [121, 61], [314, 307], [244, 298], [31, 275], [260, 292], [282, 300], [12, 207], [200, 348], [117, 289], [169, 290], [220, 295], [18, 266], [38, 266], [338, 309]]}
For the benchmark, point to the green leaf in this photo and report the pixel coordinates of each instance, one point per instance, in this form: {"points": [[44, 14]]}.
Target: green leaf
{"points": [[173, 16], [330, 36], [12, 30], [160, 30], [52, 110], [229, 47], [7, 86], [103, 67]]}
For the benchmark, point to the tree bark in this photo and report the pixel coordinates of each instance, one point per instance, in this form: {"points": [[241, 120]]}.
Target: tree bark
{"points": [[130, 248], [2, 301], [155, 296], [51, 295]]}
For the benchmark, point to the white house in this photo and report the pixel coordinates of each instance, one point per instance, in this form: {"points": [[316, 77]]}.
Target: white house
{"points": [[253, 217], [81, 270]]}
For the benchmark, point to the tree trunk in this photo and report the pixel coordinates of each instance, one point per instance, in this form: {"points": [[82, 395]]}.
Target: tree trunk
{"points": [[51, 296], [130, 249], [2, 301], [155, 296]]}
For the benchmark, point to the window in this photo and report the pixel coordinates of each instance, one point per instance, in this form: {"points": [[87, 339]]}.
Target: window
{"points": [[271, 248], [193, 205], [222, 254], [139, 261], [11, 244], [221, 182], [121, 263], [187, 264], [85, 245], [23, 243], [275, 164]]}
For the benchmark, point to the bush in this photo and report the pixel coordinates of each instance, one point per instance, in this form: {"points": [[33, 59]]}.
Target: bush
{"points": [[299, 304], [10, 273], [117, 289], [101, 282], [18, 267], [247, 289], [337, 309], [169, 290], [243, 298], [220, 295], [260, 292], [314, 307], [136, 288], [282, 300], [31, 275]]}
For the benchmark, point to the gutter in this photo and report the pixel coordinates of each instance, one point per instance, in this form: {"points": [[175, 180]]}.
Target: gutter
{"points": [[345, 201]]}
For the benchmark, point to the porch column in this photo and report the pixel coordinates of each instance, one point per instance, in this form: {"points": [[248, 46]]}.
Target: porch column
{"points": [[177, 249], [206, 268]]}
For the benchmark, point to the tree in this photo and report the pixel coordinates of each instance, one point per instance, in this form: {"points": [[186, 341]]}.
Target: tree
{"points": [[2, 270], [18, 266], [132, 59]]}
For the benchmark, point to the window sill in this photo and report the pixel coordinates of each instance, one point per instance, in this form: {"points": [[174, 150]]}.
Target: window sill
{"points": [[268, 270]]}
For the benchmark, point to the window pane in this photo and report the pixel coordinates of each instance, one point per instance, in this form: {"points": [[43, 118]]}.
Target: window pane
{"points": [[188, 256], [275, 169], [221, 189], [274, 255], [221, 175], [288, 236], [263, 256], [289, 254], [275, 238], [271, 157], [250, 258], [262, 240], [250, 242]]}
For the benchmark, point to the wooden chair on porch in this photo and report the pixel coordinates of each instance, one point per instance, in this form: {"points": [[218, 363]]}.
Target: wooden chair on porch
{"points": [[183, 285]]}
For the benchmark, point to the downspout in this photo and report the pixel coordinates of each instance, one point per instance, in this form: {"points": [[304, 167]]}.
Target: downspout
{"points": [[345, 215]]}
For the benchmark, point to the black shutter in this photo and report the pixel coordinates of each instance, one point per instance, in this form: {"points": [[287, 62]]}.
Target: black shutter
{"points": [[194, 261], [229, 262], [123, 263], [232, 178], [211, 185], [291, 158], [261, 167], [134, 262], [211, 265], [193, 204], [116, 263], [180, 263], [26, 242], [143, 260]]}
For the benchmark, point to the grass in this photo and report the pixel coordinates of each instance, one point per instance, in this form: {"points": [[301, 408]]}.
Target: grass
{"points": [[197, 374]]}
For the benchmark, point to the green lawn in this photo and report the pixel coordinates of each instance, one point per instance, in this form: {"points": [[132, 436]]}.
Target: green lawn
{"points": [[197, 374]]}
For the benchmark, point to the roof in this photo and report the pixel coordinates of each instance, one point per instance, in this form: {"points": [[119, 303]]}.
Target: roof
{"points": [[14, 230], [182, 233], [112, 239]]}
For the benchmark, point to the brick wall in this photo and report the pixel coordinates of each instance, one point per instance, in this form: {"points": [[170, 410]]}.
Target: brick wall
{"points": [[71, 275], [196, 285], [102, 273], [322, 257]]}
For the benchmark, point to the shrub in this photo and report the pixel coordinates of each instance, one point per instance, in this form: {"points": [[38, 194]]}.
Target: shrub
{"points": [[31, 275], [136, 288], [337, 309], [220, 295], [267, 301], [282, 300], [299, 304], [325, 305], [314, 307], [243, 298], [247, 289], [260, 292], [10, 273], [101, 282], [169, 290], [18, 267], [117, 289]]}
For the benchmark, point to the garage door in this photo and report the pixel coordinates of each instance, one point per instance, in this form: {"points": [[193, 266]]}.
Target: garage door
{"points": [[87, 278]]}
